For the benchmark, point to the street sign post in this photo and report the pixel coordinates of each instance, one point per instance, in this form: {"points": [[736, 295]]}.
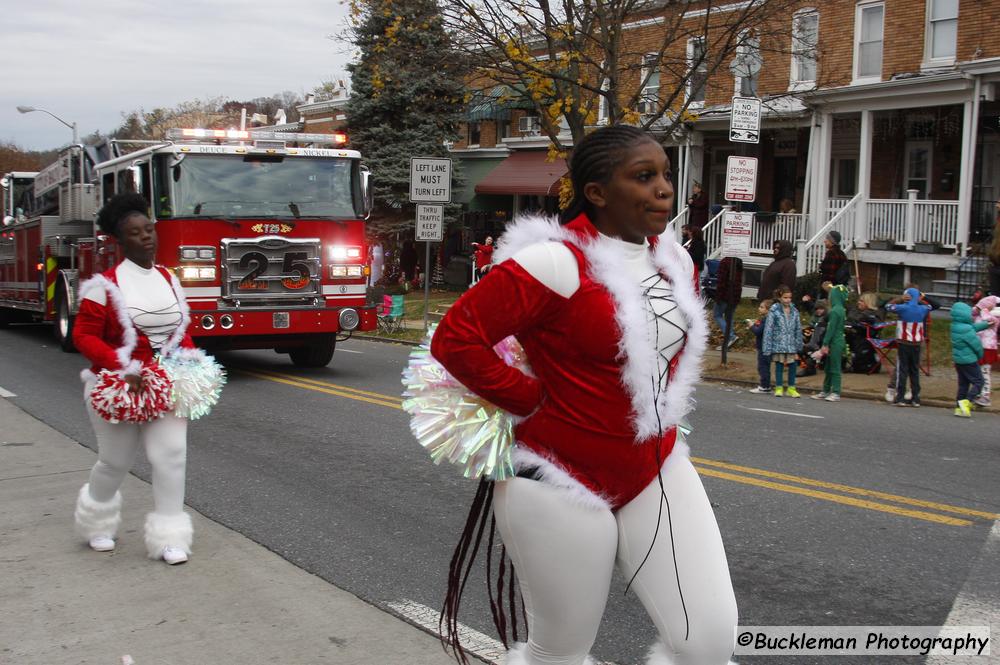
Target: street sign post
{"points": [[741, 178], [430, 180], [736, 230], [744, 120]]}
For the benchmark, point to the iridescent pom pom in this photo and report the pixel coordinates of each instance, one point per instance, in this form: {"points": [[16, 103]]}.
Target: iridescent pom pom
{"points": [[454, 424], [112, 400], [197, 382]]}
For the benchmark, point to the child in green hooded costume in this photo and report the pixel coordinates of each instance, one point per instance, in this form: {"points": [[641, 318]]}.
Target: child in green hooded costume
{"points": [[833, 345]]}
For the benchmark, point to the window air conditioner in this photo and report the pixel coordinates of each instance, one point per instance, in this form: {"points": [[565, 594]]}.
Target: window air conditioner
{"points": [[529, 124]]}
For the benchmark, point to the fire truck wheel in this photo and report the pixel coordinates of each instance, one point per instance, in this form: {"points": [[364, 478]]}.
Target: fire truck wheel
{"points": [[64, 320], [315, 354]]}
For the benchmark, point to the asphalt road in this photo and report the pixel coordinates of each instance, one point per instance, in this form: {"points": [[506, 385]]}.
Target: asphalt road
{"points": [[853, 513]]}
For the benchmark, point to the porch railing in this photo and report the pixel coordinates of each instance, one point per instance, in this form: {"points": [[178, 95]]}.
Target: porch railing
{"points": [[809, 253], [782, 226], [674, 225], [909, 221], [712, 233]]}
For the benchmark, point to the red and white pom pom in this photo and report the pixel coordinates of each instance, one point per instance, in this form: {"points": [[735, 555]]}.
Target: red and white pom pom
{"points": [[112, 400]]}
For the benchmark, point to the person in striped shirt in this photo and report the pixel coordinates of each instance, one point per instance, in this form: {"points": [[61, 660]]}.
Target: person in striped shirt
{"points": [[910, 332]]}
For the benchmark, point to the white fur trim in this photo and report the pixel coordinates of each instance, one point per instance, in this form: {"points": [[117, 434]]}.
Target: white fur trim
{"points": [[651, 414], [516, 656], [97, 518], [178, 335], [129, 336], [87, 375], [163, 530], [554, 475]]}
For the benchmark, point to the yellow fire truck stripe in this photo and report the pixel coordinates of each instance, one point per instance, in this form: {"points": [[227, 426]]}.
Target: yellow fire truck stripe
{"points": [[50, 266], [847, 489], [836, 498]]}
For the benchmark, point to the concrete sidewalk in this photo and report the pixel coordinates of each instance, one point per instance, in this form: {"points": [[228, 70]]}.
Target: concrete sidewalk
{"points": [[234, 602]]}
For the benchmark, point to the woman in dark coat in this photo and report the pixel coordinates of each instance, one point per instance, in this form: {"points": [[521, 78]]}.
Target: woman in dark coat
{"points": [[694, 242], [697, 206], [780, 272]]}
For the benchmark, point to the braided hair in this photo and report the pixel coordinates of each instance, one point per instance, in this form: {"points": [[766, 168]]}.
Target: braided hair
{"points": [[595, 159], [119, 208]]}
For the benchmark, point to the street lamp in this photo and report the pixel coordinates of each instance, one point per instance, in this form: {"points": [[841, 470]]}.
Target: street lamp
{"points": [[29, 109]]}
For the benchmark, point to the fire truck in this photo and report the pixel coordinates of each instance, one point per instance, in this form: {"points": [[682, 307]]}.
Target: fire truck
{"points": [[264, 230]]}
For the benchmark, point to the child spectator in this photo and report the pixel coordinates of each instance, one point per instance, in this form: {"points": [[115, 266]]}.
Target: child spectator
{"points": [[763, 361], [782, 340], [986, 310], [812, 338], [966, 350], [833, 345], [909, 337]]}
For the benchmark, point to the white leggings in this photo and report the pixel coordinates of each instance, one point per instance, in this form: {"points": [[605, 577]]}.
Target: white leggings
{"points": [[564, 554], [165, 440]]}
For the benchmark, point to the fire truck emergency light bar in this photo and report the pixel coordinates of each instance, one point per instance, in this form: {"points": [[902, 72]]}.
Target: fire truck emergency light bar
{"points": [[177, 134]]}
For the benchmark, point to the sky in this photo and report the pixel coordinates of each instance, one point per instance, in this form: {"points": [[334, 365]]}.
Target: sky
{"points": [[91, 61]]}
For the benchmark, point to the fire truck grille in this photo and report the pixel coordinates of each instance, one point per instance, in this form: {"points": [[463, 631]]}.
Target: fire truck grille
{"points": [[271, 269]]}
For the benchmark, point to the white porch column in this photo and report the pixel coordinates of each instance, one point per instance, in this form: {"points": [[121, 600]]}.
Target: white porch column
{"points": [[970, 123], [911, 216], [864, 180], [821, 173], [810, 165]]}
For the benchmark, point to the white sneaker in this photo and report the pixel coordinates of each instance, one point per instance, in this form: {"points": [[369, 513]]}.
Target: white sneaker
{"points": [[832, 397], [759, 390], [908, 396], [820, 395], [102, 543], [890, 395], [174, 555]]}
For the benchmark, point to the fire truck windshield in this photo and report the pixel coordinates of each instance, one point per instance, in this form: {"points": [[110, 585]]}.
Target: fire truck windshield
{"points": [[233, 187]]}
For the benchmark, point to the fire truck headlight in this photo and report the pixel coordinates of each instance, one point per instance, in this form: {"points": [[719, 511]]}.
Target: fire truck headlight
{"points": [[342, 253], [354, 271], [192, 273], [196, 253], [189, 253], [206, 253], [338, 271]]}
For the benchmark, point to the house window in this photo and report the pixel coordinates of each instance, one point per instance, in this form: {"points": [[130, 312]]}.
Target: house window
{"points": [[868, 41], [918, 167], [844, 178], [602, 99], [805, 42], [503, 129], [474, 133], [942, 29], [746, 66], [649, 99], [697, 71]]}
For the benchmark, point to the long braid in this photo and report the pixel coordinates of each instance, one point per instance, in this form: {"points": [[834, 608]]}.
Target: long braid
{"points": [[595, 159]]}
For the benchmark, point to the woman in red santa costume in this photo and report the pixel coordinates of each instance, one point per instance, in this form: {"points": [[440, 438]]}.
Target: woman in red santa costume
{"points": [[608, 314], [130, 317]]}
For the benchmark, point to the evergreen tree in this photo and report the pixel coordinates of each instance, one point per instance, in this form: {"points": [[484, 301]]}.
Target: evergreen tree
{"points": [[406, 99]]}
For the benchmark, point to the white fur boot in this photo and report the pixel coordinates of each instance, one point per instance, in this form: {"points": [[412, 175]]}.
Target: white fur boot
{"points": [[517, 655], [168, 531], [658, 656], [97, 518]]}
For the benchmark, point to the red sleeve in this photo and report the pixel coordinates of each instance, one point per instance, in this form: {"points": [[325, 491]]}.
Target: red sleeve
{"points": [[88, 335], [505, 302]]}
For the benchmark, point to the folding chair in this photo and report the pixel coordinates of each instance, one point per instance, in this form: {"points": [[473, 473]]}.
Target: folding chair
{"points": [[882, 347], [390, 314]]}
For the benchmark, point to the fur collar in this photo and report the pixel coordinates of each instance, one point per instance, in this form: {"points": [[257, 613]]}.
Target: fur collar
{"points": [[652, 413]]}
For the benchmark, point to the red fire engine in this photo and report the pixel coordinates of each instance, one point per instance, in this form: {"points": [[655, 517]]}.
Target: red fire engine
{"points": [[265, 231]]}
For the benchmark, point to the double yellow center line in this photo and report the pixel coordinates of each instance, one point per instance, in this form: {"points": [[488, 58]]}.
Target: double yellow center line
{"points": [[773, 480]]}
